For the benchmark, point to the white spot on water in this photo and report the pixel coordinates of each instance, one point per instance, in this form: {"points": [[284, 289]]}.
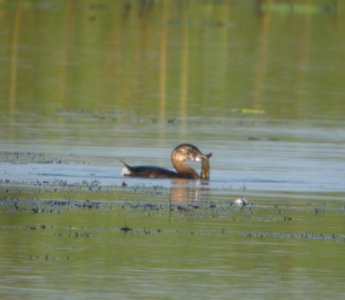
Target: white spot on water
{"points": [[240, 202]]}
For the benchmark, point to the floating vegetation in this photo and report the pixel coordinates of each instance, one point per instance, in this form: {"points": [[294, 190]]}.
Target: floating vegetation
{"points": [[25, 157], [28, 157], [295, 235]]}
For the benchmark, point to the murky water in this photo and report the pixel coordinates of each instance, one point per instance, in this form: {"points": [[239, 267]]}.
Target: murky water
{"points": [[86, 85]]}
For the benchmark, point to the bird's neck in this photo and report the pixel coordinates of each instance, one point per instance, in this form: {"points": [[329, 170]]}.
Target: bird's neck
{"points": [[184, 170]]}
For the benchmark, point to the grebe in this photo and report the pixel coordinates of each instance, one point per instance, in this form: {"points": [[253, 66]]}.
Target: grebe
{"points": [[179, 156]]}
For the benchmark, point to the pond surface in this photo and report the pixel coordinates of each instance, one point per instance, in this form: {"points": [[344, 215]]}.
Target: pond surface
{"points": [[86, 85]]}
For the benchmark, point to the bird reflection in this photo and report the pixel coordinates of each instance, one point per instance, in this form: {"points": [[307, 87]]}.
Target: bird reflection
{"points": [[184, 192]]}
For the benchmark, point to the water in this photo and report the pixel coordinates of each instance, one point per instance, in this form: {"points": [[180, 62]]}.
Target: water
{"points": [[86, 85]]}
